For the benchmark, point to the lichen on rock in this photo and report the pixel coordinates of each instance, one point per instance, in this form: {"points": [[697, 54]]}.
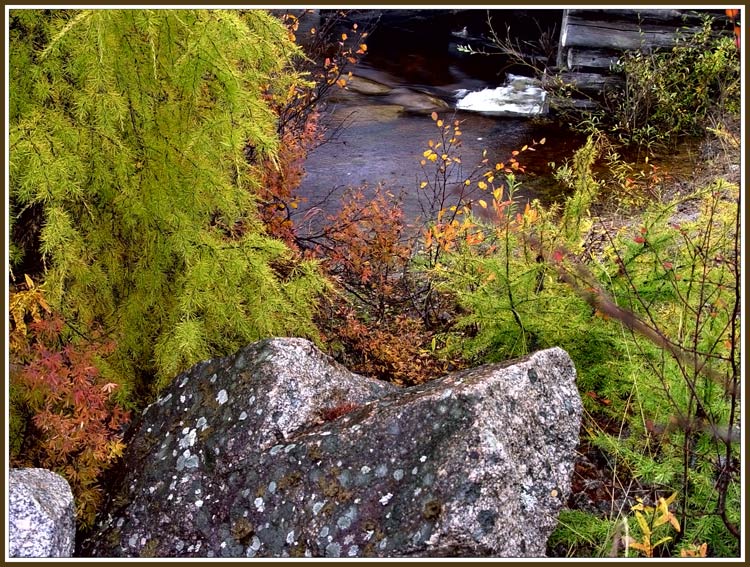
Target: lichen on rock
{"points": [[476, 463]]}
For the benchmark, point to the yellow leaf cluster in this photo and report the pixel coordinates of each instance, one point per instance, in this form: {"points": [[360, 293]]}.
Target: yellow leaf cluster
{"points": [[27, 303]]}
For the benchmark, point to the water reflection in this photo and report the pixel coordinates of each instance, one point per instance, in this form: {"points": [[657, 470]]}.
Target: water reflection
{"points": [[378, 142]]}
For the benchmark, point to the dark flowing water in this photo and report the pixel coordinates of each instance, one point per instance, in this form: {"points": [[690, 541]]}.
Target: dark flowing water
{"points": [[376, 145]]}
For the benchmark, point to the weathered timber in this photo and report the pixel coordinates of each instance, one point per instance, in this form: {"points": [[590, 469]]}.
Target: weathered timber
{"points": [[592, 58], [672, 17], [619, 35], [592, 40], [616, 30], [586, 83]]}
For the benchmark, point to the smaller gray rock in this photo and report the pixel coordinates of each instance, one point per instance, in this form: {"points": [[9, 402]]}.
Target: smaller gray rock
{"points": [[366, 86], [41, 515]]}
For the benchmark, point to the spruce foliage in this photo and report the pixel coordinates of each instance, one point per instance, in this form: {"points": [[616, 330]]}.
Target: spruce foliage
{"points": [[132, 130]]}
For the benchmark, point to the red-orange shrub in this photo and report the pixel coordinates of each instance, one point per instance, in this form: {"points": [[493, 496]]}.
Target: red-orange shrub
{"points": [[73, 422]]}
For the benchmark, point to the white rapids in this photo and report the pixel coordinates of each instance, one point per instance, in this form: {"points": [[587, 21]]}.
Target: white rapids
{"points": [[520, 96]]}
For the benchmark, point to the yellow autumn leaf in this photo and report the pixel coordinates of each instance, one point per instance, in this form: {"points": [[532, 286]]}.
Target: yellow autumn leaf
{"points": [[427, 153], [432, 157], [645, 528], [439, 123], [434, 116], [482, 185], [640, 547], [467, 182], [482, 203], [542, 141], [344, 37], [423, 185], [662, 540]]}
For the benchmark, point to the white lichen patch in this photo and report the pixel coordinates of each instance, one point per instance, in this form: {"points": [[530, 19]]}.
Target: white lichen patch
{"points": [[202, 423], [213, 379], [186, 460], [353, 551], [333, 549], [222, 397], [385, 499], [290, 537], [243, 416], [423, 458], [165, 399], [189, 438], [344, 522], [398, 474], [365, 469], [259, 504], [317, 507], [276, 449], [183, 382], [198, 503]]}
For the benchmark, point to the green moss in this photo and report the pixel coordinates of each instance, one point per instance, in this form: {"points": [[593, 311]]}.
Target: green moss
{"points": [[149, 550], [242, 530], [431, 510]]}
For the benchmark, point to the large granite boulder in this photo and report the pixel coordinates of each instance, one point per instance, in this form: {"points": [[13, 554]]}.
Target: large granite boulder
{"points": [[41, 514], [279, 451]]}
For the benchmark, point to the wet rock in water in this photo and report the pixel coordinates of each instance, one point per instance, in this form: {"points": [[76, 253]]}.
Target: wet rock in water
{"points": [[41, 514], [366, 86], [279, 451], [417, 103]]}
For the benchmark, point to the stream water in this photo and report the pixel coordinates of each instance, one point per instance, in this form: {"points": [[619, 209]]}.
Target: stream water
{"points": [[377, 142]]}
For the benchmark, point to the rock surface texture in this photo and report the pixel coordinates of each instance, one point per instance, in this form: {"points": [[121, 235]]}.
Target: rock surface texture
{"points": [[41, 514], [279, 451]]}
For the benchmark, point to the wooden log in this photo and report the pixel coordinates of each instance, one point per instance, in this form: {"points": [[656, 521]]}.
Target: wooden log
{"points": [[584, 82], [618, 35], [674, 17], [562, 104], [591, 58]]}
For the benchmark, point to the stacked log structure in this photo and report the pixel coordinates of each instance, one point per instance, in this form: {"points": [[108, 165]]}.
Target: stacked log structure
{"points": [[592, 40]]}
